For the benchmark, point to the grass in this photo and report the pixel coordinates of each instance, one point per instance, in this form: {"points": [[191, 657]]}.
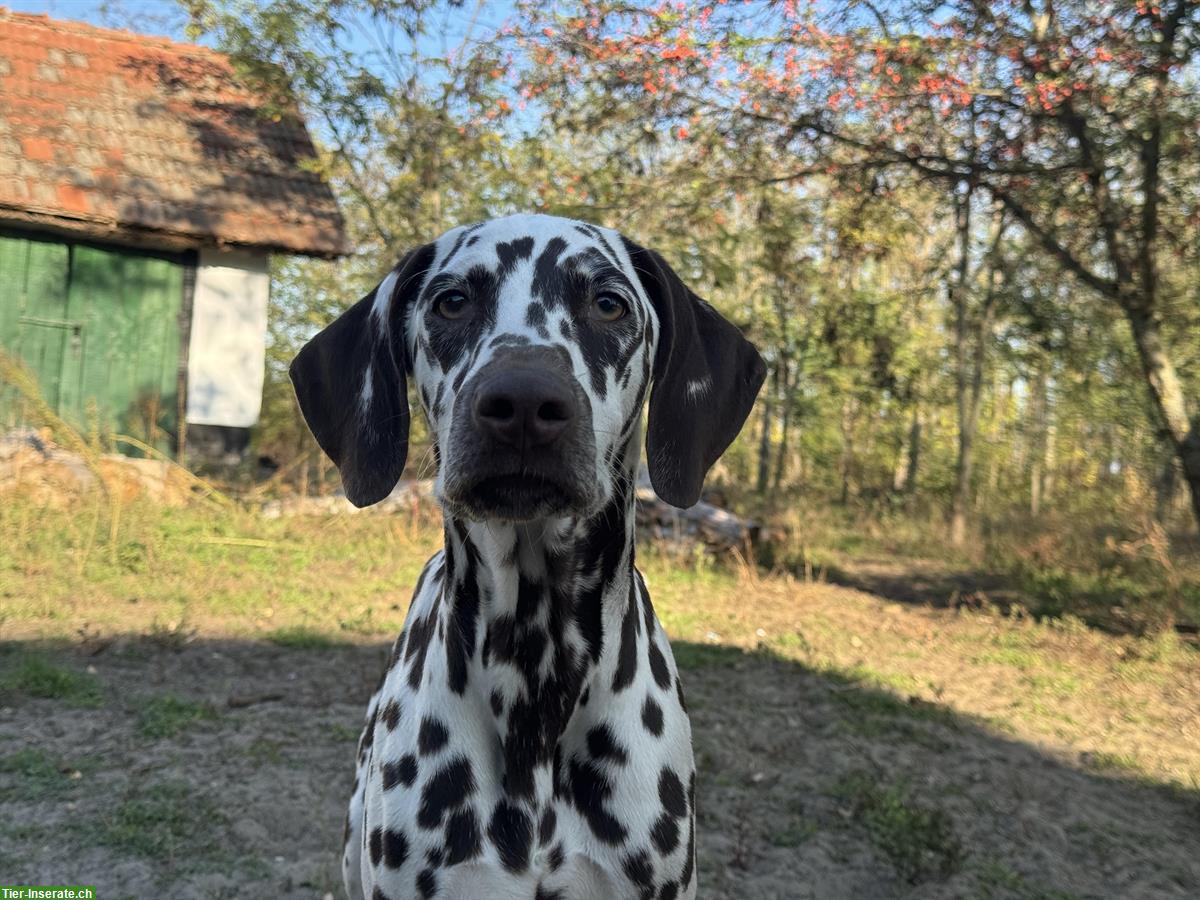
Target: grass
{"points": [[339, 732], [315, 584], [1109, 563], [34, 773], [995, 879], [300, 637], [873, 697], [343, 576], [691, 656], [794, 833], [167, 716], [169, 821], [917, 838], [265, 751], [1053, 683], [1103, 761], [32, 676], [1009, 656]]}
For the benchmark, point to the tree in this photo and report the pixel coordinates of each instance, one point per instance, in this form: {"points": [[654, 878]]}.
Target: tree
{"points": [[398, 138], [1079, 121]]}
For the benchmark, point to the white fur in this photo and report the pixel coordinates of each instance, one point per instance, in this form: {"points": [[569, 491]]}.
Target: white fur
{"points": [[383, 300], [698, 389], [367, 391]]}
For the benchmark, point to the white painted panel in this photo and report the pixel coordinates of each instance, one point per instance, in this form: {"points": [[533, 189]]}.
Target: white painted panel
{"points": [[227, 352]]}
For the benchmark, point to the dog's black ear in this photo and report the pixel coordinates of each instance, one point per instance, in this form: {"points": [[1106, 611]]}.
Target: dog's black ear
{"points": [[706, 376], [350, 381]]}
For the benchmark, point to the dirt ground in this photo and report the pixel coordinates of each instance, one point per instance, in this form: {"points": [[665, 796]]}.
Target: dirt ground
{"points": [[206, 768], [181, 691]]}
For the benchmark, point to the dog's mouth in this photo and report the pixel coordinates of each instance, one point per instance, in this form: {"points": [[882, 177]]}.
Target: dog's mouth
{"points": [[517, 497]]}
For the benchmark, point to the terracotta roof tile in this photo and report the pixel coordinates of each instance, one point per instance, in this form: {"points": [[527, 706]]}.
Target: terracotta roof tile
{"points": [[110, 133]]}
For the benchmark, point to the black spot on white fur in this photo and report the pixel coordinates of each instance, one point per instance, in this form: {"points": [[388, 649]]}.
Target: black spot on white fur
{"points": [[446, 790], [603, 745], [395, 848], [433, 736], [512, 834], [402, 771], [463, 841], [427, 884], [652, 716]]}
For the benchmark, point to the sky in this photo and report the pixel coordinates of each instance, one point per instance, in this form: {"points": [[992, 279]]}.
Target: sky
{"points": [[157, 17], [164, 18]]}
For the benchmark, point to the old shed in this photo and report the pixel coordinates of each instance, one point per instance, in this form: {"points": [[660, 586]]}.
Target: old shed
{"points": [[142, 191]]}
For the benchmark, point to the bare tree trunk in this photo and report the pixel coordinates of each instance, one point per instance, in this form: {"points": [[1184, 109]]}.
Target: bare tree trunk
{"points": [[1142, 309], [1166, 391], [1038, 408], [304, 475], [1051, 465], [783, 370], [970, 362], [1165, 487], [914, 449], [1002, 396], [1035, 488], [764, 447], [905, 475], [847, 428], [900, 469], [966, 436], [785, 421]]}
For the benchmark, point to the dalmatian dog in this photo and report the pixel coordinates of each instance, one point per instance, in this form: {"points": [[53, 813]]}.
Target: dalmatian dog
{"points": [[529, 739]]}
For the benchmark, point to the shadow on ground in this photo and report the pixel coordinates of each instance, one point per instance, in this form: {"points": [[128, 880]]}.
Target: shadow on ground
{"points": [[931, 583], [219, 768]]}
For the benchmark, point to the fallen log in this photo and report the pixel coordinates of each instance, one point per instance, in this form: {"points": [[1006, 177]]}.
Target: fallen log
{"points": [[718, 529], [707, 524]]}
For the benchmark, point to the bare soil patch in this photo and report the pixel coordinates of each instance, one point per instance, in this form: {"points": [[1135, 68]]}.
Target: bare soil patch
{"points": [[811, 784]]}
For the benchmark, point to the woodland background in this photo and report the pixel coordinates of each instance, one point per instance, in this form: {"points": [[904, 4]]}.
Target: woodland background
{"points": [[966, 237]]}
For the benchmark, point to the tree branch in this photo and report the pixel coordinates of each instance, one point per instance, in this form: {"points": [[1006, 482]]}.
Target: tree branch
{"points": [[1105, 286]]}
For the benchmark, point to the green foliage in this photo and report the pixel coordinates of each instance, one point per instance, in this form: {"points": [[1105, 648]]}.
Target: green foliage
{"points": [[1125, 575], [824, 227], [848, 142]]}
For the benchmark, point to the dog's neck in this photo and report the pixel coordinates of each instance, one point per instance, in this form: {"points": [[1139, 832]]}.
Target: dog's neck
{"points": [[532, 612]]}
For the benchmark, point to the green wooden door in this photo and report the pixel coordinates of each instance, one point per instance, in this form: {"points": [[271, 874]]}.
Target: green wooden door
{"points": [[99, 328], [33, 325]]}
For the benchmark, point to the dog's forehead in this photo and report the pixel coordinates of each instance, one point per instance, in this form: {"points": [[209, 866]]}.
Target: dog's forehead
{"points": [[507, 242]]}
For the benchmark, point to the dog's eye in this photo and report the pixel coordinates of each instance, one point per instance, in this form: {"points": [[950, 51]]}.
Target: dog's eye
{"points": [[450, 306], [609, 308]]}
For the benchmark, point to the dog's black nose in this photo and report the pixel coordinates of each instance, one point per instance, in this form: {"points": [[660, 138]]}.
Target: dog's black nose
{"points": [[524, 407]]}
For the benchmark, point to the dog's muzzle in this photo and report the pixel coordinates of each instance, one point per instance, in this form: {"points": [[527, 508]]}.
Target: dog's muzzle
{"points": [[522, 440]]}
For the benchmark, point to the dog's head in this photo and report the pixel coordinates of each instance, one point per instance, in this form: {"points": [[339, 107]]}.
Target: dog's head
{"points": [[532, 341]]}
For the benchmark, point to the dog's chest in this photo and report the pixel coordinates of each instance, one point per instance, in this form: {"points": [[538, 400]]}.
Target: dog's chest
{"points": [[494, 791]]}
